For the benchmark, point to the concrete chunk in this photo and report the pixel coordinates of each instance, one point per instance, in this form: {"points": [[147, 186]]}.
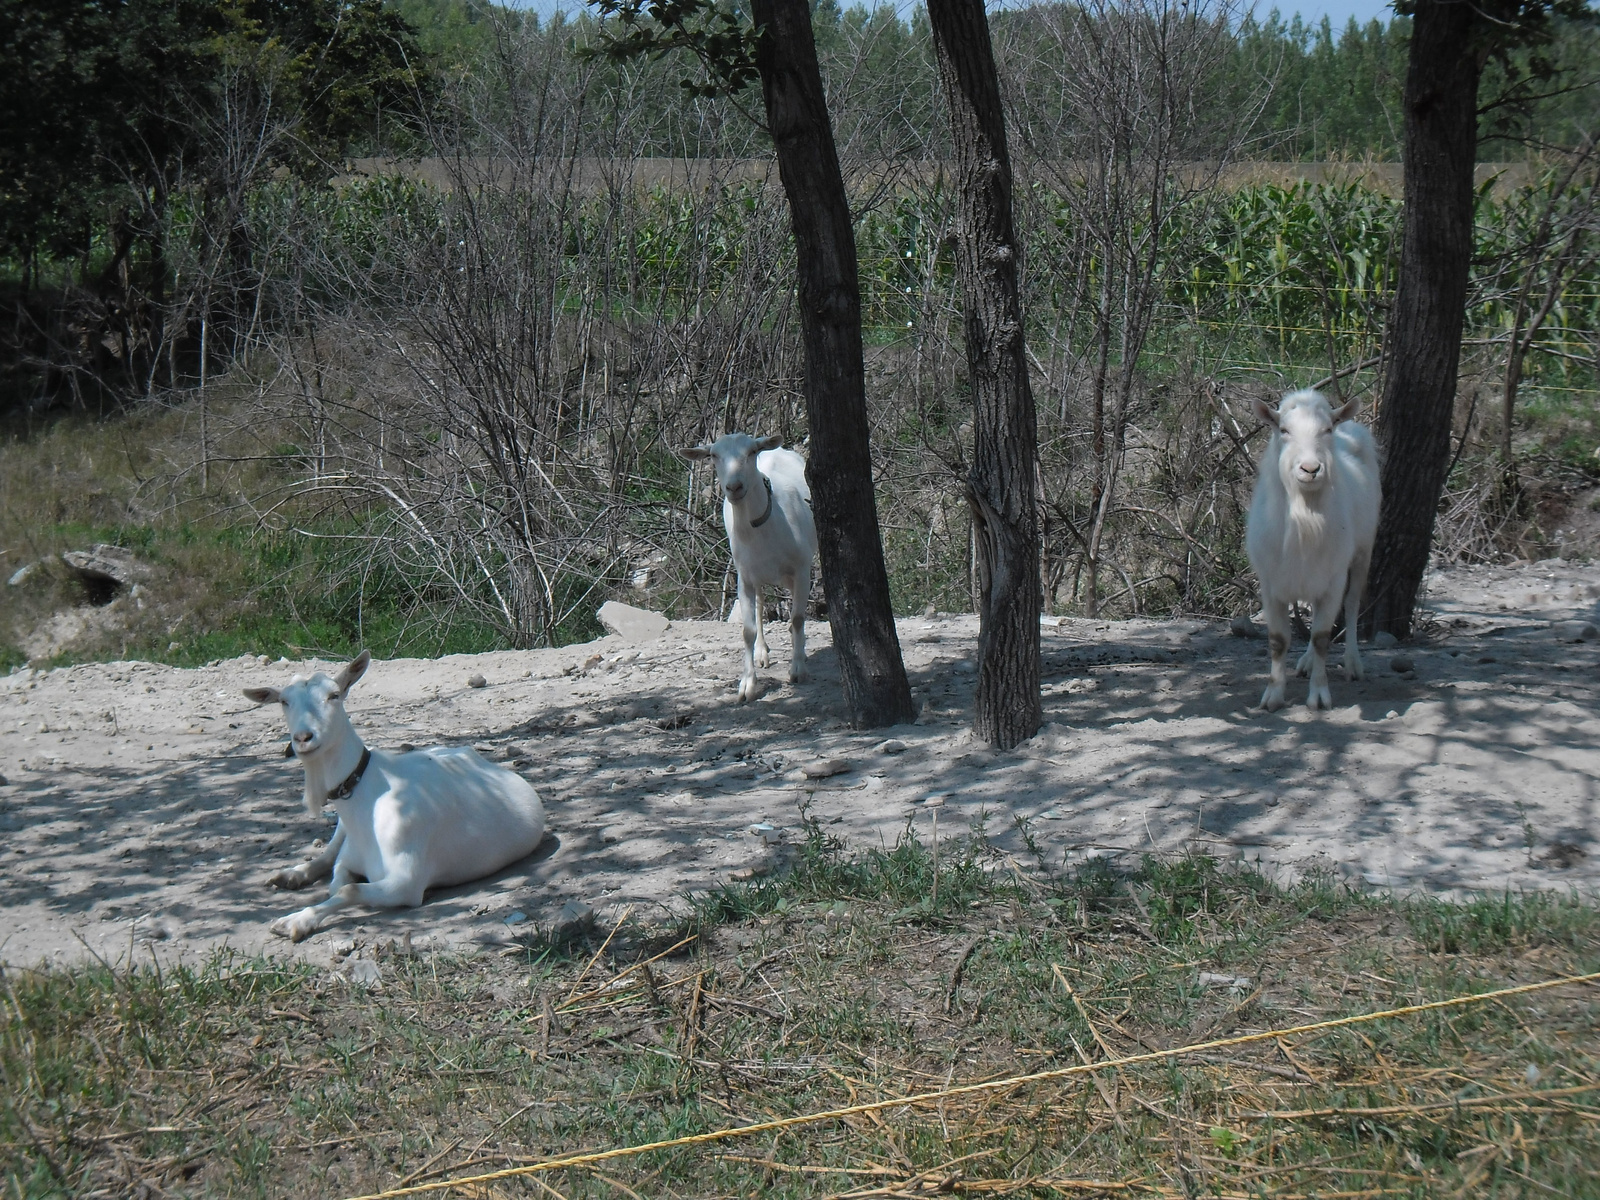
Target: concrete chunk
{"points": [[632, 624]]}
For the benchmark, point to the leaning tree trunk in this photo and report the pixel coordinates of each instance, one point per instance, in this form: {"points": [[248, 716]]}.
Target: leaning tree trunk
{"points": [[1005, 430], [840, 469], [1424, 350]]}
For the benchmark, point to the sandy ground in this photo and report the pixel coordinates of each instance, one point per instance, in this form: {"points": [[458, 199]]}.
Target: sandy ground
{"points": [[144, 807]]}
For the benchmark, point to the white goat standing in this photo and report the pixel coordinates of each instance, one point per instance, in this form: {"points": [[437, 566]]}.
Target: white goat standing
{"points": [[1309, 534], [766, 508], [407, 822]]}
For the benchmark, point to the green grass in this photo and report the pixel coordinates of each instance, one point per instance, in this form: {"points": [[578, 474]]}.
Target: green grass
{"points": [[833, 984]]}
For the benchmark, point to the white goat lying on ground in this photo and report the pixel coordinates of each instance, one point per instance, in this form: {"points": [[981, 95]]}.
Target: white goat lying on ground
{"points": [[766, 508], [407, 822], [1309, 535]]}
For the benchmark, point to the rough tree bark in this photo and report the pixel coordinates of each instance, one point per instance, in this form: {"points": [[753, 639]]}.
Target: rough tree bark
{"points": [[1000, 487], [840, 469], [1424, 350]]}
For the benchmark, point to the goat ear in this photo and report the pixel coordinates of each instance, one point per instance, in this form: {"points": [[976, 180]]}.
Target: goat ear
{"points": [[1266, 413], [695, 453], [263, 695], [352, 671], [1347, 410], [769, 443]]}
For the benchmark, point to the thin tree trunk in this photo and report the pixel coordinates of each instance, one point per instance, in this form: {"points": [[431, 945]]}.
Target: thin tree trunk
{"points": [[1000, 487], [1414, 418], [854, 579]]}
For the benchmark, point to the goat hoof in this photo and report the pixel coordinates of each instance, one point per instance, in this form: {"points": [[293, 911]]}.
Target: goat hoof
{"points": [[1353, 669], [293, 927], [747, 689], [289, 881], [1303, 667], [763, 659], [1320, 697], [798, 673], [1272, 699]]}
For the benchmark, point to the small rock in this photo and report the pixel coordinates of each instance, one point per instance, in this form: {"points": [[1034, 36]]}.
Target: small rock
{"points": [[593, 661], [364, 971], [477, 681], [1400, 664], [769, 836], [1531, 1075], [930, 611], [515, 918], [1384, 640], [1243, 627], [892, 746], [1390, 715], [574, 918], [171, 646], [966, 666], [1272, 801], [1234, 983], [753, 871], [632, 624], [342, 947], [22, 574], [824, 768], [1576, 631]]}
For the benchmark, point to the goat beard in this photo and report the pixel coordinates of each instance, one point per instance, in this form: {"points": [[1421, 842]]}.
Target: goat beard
{"points": [[1306, 522], [317, 787]]}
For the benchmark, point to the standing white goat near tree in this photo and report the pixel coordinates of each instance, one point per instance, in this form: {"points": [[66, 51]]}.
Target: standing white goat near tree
{"points": [[766, 509], [1309, 534], [407, 822]]}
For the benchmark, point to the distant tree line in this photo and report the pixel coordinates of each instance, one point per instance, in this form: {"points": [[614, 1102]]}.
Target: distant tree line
{"points": [[112, 104]]}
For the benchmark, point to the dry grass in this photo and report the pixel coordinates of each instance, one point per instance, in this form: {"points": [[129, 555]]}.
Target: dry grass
{"points": [[832, 987]]}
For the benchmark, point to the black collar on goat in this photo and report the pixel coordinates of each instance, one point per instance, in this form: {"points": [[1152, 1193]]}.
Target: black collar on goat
{"points": [[762, 519], [352, 780]]}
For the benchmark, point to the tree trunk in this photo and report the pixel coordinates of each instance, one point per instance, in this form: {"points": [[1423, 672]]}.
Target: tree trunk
{"points": [[840, 469], [1414, 418], [1000, 487]]}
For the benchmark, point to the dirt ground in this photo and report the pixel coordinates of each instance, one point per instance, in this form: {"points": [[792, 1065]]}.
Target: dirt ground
{"points": [[143, 807]]}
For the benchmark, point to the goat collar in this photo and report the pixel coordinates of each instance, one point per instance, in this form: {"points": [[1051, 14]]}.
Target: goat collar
{"points": [[352, 780], [762, 519]]}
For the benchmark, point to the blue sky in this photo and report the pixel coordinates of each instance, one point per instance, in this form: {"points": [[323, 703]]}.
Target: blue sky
{"points": [[1338, 11]]}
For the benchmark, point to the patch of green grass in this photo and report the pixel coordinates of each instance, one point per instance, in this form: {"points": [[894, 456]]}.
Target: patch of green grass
{"points": [[255, 1077], [1509, 921]]}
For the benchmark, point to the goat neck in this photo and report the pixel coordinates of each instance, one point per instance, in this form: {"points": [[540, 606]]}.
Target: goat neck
{"points": [[754, 507], [331, 763]]}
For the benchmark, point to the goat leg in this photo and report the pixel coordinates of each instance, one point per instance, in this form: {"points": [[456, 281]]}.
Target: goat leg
{"points": [[755, 642], [799, 593], [1352, 612], [294, 878], [1278, 644], [1322, 614]]}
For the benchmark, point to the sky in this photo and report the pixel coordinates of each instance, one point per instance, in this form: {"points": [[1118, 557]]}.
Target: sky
{"points": [[1338, 11]]}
